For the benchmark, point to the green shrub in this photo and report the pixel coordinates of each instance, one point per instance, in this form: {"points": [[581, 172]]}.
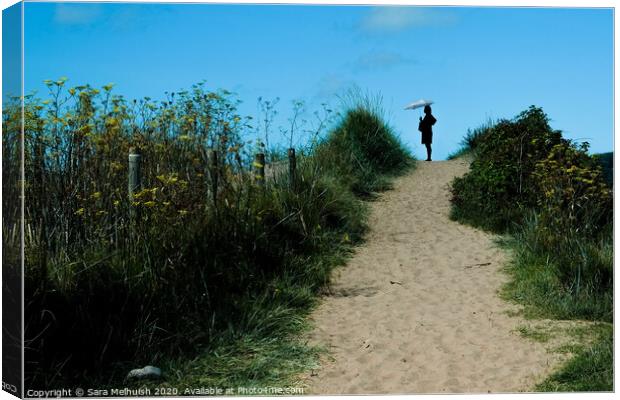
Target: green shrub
{"points": [[499, 189], [573, 197]]}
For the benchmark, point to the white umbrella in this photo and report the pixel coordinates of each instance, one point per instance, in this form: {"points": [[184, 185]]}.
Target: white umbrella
{"points": [[418, 104]]}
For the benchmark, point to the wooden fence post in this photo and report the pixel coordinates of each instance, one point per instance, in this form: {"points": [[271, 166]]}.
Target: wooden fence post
{"points": [[292, 167], [213, 173], [259, 169], [134, 183]]}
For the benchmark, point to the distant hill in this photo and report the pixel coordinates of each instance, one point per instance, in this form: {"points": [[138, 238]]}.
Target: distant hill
{"points": [[607, 162]]}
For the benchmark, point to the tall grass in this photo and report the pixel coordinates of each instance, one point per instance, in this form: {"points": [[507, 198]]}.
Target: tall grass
{"points": [[472, 139], [178, 270], [551, 196], [571, 280], [363, 149], [11, 265]]}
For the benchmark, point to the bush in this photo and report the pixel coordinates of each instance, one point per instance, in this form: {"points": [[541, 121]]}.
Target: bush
{"points": [[499, 188], [573, 196]]}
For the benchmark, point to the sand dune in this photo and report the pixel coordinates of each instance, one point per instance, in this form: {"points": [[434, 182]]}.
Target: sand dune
{"points": [[416, 309]]}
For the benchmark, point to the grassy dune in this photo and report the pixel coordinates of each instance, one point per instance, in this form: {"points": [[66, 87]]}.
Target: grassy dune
{"points": [[204, 272], [553, 200]]}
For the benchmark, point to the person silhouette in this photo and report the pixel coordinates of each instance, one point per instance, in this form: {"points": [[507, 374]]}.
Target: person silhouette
{"points": [[426, 127]]}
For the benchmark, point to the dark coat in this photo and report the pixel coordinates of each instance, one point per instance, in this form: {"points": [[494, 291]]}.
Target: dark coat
{"points": [[426, 127]]}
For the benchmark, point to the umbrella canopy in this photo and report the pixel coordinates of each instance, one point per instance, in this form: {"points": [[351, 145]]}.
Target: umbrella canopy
{"points": [[418, 104]]}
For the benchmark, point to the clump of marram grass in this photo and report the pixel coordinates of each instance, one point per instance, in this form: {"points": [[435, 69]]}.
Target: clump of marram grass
{"points": [[177, 272], [472, 139], [363, 149]]}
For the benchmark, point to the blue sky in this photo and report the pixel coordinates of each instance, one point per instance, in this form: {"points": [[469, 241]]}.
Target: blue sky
{"points": [[475, 63]]}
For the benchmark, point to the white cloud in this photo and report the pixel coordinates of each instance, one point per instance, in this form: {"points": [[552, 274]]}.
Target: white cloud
{"points": [[395, 19], [77, 14]]}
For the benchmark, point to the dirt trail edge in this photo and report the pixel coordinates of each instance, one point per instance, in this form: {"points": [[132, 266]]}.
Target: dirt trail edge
{"points": [[417, 310]]}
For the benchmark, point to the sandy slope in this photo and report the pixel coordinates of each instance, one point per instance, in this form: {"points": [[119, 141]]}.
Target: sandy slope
{"points": [[412, 312]]}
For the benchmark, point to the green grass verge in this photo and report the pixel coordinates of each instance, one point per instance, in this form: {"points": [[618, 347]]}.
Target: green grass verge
{"points": [[591, 349], [535, 283], [591, 369], [536, 277], [535, 334]]}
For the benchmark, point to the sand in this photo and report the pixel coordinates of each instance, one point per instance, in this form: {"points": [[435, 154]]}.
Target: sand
{"points": [[417, 309]]}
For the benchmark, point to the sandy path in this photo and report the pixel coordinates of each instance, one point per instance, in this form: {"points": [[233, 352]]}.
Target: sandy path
{"points": [[440, 327]]}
